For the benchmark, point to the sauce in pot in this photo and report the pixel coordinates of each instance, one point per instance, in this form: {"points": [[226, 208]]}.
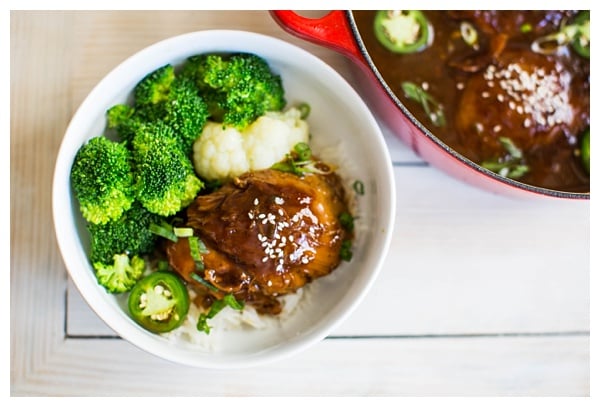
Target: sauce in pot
{"points": [[492, 96]]}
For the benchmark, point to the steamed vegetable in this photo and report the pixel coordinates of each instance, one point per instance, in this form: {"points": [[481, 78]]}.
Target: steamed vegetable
{"points": [[121, 274], [129, 234], [162, 97], [164, 177], [223, 152], [102, 179], [238, 88]]}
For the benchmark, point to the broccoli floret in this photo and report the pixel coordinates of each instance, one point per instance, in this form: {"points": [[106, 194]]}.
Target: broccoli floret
{"points": [[102, 179], [129, 234], [179, 106], [238, 88], [185, 112], [121, 274], [124, 120], [164, 179], [154, 88]]}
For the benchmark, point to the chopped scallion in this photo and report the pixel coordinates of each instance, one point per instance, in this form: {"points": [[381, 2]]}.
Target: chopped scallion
{"points": [[359, 187], [205, 283], [526, 27], [432, 108], [469, 34], [183, 232], [347, 221], [346, 250], [215, 308], [304, 109], [299, 162], [510, 166], [164, 229], [303, 150]]}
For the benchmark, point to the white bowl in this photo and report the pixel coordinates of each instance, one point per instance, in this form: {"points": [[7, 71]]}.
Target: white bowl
{"points": [[338, 120]]}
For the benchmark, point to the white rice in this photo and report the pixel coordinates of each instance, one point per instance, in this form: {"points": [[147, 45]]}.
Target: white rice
{"points": [[228, 319]]}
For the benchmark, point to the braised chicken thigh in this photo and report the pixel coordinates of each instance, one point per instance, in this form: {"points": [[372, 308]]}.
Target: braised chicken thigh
{"points": [[267, 233]]}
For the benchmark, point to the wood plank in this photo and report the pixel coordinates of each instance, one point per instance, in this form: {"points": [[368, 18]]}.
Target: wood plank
{"points": [[499, 366]]}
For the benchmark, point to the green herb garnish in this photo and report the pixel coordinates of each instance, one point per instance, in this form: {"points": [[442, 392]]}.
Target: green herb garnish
{"points": [[432, 108], [576, 34], [183, 232], [346, 250], [215, 308], [163, 229], [299, 161], [205, 283], [359, 187], [511, 165], [347, 221], [526, 27]]}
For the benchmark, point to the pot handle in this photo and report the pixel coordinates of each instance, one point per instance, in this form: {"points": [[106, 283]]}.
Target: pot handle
{"points": [[332, 30]]}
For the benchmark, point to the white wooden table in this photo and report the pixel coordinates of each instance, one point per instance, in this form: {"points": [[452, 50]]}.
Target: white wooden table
{"points": [[480, 294]]}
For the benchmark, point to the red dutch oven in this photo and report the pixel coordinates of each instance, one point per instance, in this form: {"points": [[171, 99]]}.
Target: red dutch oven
{"points": [[338, 31]]}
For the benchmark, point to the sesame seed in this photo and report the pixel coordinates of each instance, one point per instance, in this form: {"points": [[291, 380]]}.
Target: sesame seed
{"points": [[543, 95], [256, 202]]}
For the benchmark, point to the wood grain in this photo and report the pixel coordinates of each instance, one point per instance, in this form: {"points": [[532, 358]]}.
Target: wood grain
{"points": [[480, 295]]}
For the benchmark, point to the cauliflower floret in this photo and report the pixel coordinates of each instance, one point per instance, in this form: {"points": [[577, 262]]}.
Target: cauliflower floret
{"points": [[221, 153]]}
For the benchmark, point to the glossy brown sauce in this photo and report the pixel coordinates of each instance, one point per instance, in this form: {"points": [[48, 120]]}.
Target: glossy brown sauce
{"points": [[268, 233], [482, 90]]}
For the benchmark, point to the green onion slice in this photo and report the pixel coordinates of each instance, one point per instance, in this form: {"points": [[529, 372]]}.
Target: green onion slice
{"points": [[205, 283], [469, 34], [347, 221], [215, 308], [510, 166], [304, 109], [432, 108], [183, 232], [359, 187], [346, 250], [164, 229]]}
